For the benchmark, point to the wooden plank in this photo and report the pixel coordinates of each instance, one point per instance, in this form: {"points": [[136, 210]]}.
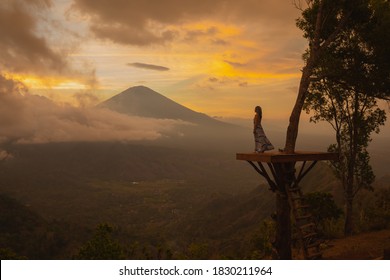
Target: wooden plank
{"points": [[283, 157]]}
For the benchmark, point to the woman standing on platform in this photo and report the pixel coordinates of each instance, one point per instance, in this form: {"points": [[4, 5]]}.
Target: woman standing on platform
{"points": [[262, 143]]}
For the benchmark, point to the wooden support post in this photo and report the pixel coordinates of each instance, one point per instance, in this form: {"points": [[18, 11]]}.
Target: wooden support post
{"points": [[284, 174], [283, 227]]}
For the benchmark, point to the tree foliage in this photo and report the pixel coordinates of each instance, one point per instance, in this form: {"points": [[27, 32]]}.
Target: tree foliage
{"points": [[331, 26], [102, 246], [326, 213], [323, 206], [263, 241], [349, 77], [375, 211]]}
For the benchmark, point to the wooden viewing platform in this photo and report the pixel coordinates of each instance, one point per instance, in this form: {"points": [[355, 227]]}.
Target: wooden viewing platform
{"points": [[284, 179], [281, 165], [272, 157]]}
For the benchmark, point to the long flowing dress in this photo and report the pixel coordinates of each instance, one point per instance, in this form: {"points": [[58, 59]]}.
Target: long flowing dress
{"points": [[262, 143]]}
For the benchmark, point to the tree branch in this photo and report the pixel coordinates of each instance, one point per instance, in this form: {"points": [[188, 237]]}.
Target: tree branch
{"points": [[336, 32], [316, 40], [298, 4]]}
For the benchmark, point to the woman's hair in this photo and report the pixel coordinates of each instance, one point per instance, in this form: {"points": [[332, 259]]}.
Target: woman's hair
{"points": [[258, 110]]}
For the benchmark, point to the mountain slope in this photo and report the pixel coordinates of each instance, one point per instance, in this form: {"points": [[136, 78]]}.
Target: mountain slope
{"points": [[202, 132], [145, 102]]}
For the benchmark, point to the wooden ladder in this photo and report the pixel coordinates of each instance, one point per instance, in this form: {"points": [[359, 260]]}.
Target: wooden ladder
{"points": [[305, 224], [287, 183]]}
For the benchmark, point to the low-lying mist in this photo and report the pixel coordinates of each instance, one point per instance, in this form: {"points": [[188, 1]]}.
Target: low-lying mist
{"points": [[26, 118]]}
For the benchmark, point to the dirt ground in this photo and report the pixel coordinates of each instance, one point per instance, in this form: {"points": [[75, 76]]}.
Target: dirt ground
{"points": [[365, 246]]}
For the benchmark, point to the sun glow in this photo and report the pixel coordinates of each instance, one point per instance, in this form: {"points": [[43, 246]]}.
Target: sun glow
{"points": [[39, 82], [224, 69]]}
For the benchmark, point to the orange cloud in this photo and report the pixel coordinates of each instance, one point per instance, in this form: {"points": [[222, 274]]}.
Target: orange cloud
{"points": [[46, 82], [144, 23]]}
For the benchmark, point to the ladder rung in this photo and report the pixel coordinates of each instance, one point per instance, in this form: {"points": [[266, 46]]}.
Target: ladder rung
{"points": [[314, 244], [296, 198], [315, 256], [308, 231], [303, 217], [302, 206], [311, 234], [307, 226]]}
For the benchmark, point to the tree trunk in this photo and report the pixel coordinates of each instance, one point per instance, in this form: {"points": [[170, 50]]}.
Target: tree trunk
{"points": [[283, 227], [348, 190], [351, 168], [348, 226], [292, 130], [316, 48]]}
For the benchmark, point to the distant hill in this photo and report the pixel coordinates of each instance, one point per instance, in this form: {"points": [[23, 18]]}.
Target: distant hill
{"points": [[25, 234], [145, 102]]}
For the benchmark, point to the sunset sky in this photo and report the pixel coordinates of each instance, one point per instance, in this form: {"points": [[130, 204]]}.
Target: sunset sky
{"points": [[220, 57]]}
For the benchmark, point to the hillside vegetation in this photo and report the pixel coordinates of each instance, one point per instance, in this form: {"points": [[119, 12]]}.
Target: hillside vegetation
{"points": [[160, 202]]}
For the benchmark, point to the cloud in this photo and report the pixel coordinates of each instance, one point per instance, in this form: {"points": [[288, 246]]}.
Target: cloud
{"points": [[21, 48], [85, 99], [4, 155], [219, 42], [139, 22], [212, 83], [261, 33], [195, 34], [36, 46], [26, 118], [148, 66], [234, 64], [131, 35]]}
